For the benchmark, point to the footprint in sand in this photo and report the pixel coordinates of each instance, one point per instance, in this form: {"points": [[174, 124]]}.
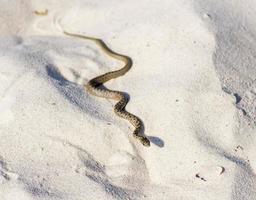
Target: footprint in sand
{"points": [[122, 174], [78, 68], [119, 164], [96, 172], [127, 170]]}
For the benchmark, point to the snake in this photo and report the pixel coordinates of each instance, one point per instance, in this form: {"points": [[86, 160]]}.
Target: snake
{"points": [[93, 87]]}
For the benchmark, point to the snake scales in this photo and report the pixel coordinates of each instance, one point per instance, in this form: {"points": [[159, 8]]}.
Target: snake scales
{"points": [[93, 87]]}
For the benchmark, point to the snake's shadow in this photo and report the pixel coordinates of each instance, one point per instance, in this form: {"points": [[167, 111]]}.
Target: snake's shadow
{"points": [[155, 140]]}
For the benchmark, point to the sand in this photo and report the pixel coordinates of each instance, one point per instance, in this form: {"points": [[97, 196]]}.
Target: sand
{"points": [[192, 83]]}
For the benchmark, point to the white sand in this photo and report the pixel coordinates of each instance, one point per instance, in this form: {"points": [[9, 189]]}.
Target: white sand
{"points": [[192, 83]]}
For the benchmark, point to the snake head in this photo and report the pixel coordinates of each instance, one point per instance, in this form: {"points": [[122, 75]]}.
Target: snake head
{"points": [[145, 141]]}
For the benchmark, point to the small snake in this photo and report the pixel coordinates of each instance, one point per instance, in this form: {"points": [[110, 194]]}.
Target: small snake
{"points": [[93, 87]]}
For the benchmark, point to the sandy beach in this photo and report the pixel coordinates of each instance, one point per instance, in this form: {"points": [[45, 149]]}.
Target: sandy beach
{"points": [[192, 83]]}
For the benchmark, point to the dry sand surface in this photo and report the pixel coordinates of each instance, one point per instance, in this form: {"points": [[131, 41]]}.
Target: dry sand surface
{"points": [[192, 83]]}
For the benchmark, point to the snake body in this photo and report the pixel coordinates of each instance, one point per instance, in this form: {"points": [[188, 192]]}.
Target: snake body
{"points": [[93, 87]]}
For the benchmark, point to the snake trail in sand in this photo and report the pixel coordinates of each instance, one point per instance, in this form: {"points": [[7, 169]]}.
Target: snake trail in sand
{"points": [[93, 87]]}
